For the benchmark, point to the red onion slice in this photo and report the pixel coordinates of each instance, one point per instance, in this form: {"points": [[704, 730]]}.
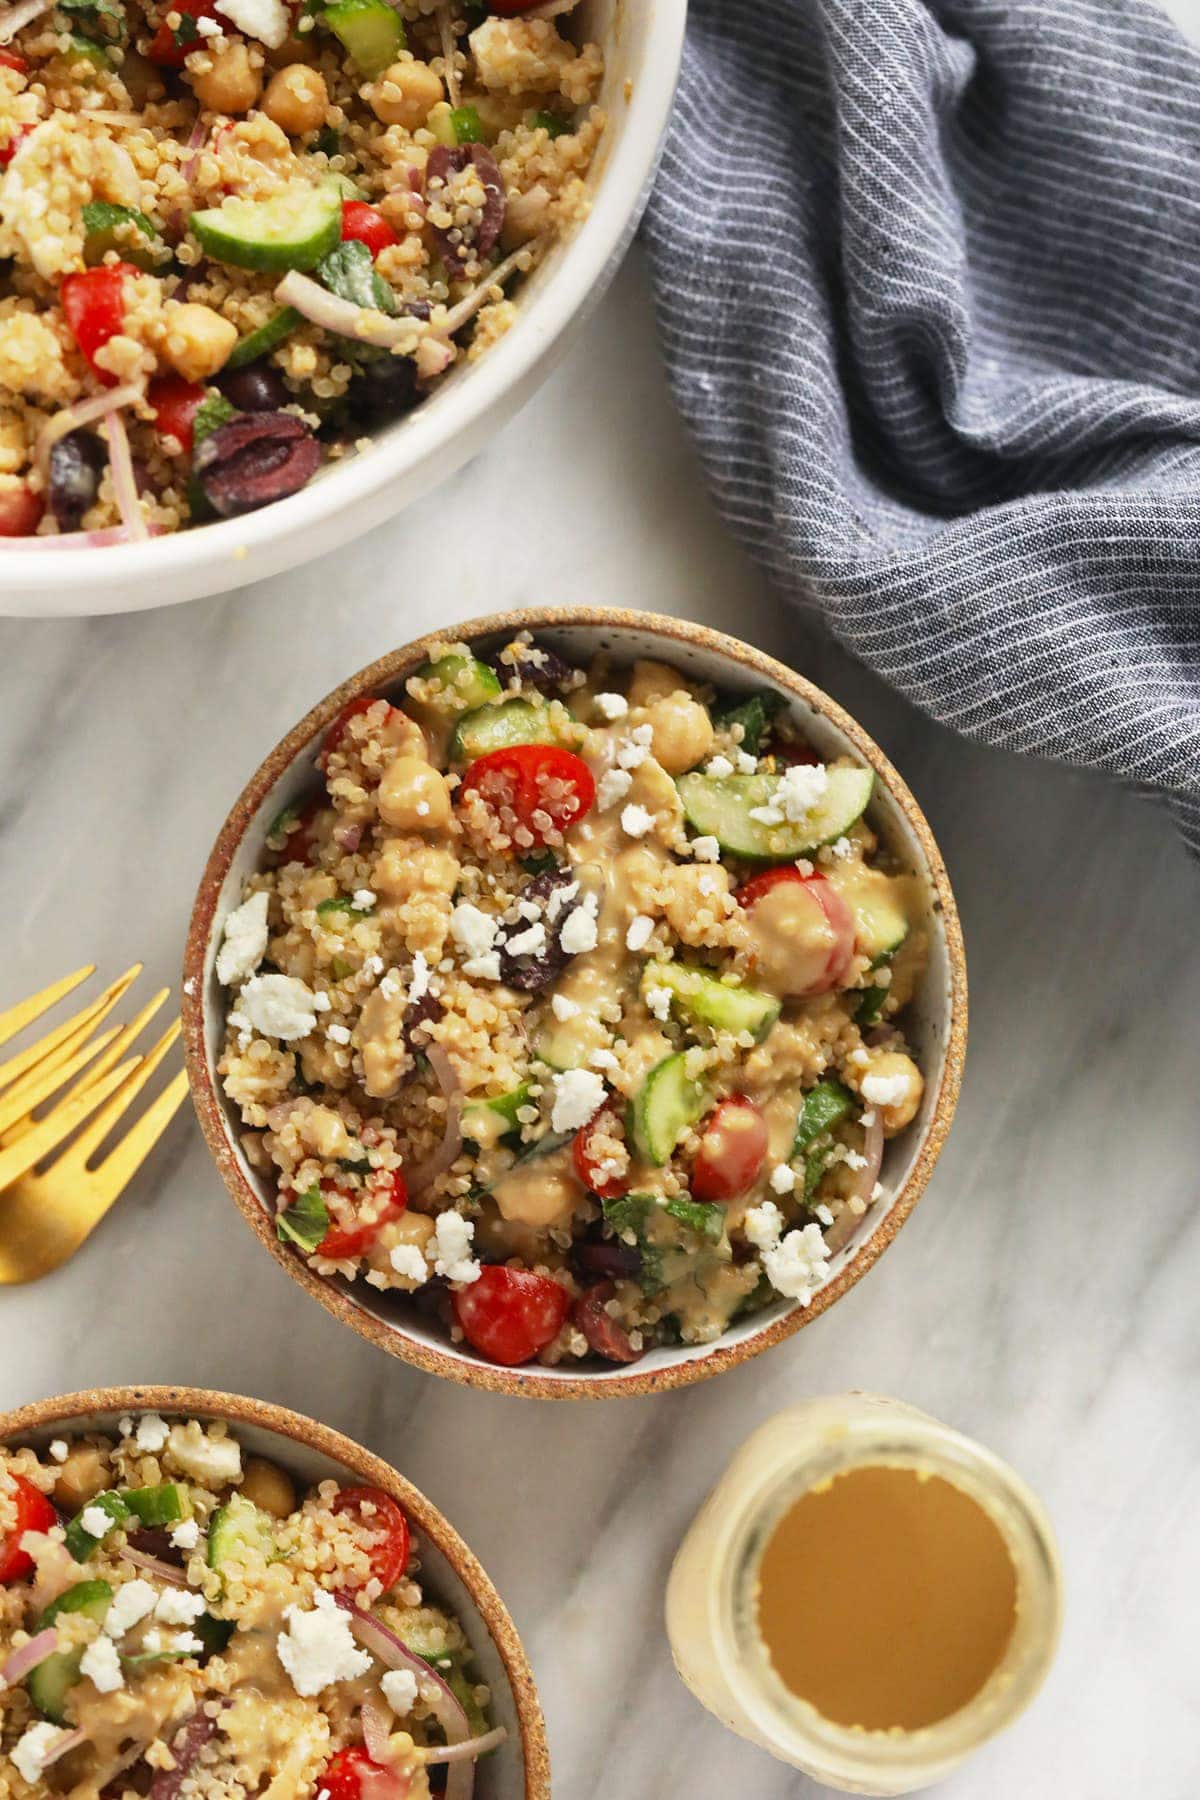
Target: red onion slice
{"points": [[450, 72], [70, 1740], [426, 1173], [848, 1220], [72, 417], [28, 1657], [15, 18], [162, 1570], [194, 145], [376, 1731], [120, 463], [185, 1748], [468, 1751], [78, 540], [382, 1784], [343, 317]]}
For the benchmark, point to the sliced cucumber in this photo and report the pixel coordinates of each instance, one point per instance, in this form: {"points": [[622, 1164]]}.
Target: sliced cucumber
{"points": [[239, 1530], [265, 338], [465, 684], [369, 31], [667, 1102], [81, 1542], [111, 227], [52, 1680], [720, 807], [499, 728], [484, 1121], [700, 996], [881, 921], [162, 1505], [569, 1043], [292, 230]]}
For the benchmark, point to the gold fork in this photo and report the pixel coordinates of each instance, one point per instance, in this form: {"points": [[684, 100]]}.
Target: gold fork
{"points": [[50, 1203]]}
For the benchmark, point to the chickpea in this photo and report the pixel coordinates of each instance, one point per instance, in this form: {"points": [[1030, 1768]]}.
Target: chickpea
{"points": [[683, 732], [699, 900], [297, 99], [405, 94], [80, 1478], [412, 1228], [413, 796], [266, 1486], [533, 1196], [893, 1066], [233, 84], [652, 681], [197, 340]]}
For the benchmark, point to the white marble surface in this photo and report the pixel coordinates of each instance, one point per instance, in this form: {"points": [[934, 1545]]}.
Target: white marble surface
{"points": [[1043, 1296]]}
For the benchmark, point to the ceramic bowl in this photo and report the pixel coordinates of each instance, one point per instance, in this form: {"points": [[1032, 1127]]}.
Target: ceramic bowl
{"points": [[643, 44], [939, 1013], [520, 1769]]}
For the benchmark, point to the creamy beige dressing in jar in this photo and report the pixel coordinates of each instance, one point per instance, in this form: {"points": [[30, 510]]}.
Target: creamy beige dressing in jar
{"points": [[866, 1594]]}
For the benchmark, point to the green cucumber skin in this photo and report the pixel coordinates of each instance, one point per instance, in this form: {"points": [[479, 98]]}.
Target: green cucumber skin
{"points": [[500, 727], [720, 807], [479, 689], [52, 1680], [665, 1105], [162, 1505], [80, 1541], [262, 240], [713, 1002], [266, 338], [369, 31], [237, 1526]]}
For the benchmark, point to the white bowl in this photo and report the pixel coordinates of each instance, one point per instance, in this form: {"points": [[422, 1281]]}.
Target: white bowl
{"points": [[643, 42]]}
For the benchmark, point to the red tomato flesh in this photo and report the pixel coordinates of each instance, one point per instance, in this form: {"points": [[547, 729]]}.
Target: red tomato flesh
{"points": [[341, 1241], [20, 511], [508, 1315], [12, 59], [363, 224], [94, 303], [34, 1513], [733, 1149], [351, 1775], [379, 1514], [169, 48], [533, 789], [808, 910], [176, 403], [7, 151], [337, 731], [587, 1159]]}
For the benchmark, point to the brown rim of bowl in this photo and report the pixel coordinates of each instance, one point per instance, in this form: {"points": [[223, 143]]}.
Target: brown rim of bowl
{"points": [[207, 1403], [385, 673]]}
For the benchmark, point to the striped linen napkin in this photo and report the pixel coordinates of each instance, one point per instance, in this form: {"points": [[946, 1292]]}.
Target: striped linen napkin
{"points": [[928, 281]]}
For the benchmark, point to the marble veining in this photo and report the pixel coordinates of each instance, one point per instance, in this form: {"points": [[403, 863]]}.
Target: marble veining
{"points": [[1042, 1297]]}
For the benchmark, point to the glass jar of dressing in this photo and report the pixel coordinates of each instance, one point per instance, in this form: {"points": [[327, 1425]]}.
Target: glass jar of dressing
{"points": [[867, 1594]]}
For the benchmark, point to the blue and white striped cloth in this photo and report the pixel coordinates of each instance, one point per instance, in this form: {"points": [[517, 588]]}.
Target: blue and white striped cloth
{"points": [[928, 278]]}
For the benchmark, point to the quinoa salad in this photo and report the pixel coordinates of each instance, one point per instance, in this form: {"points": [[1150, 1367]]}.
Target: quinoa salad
{"points": [[179, 1621], [573, 1005], [239, 236]]}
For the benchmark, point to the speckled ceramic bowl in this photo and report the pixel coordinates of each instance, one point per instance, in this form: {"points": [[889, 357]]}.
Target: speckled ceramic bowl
{"points": [[939, 1013], [520, 1769]]}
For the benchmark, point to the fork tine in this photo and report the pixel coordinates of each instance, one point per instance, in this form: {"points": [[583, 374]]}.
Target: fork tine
{"points": [[24, 1013], [19, 1101], [125, 1038], [75, 1029], [120, 1166], [99, 1127], [58, 1125]]}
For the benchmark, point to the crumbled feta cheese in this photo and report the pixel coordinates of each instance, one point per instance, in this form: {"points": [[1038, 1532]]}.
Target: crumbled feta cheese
{"points": [[186, 1534], [867, 1120], [186, 1641], [178, 1606], [579, 928], [842, 848], [278, 1006], [604, 1059], [613, 785], [612, 706], [266, 20], [452, 1239], [483, 968], [634, 753], [95, 1521], [318, 1647], [151, 1433], [59, 1450], [824, 1213], [406, 1260], [527, 943], [800, 789], [578, 1096], [563, 1008], [209, 28], [797, 1266], [245, 941], [707, 884], [560, 897], [338, 1034], [321, 1003], [215, 1461], [706, 849], [719, 767], [763, 1225], [658, 1000], [766, 815], [783, 1178], [885, 1090], [400, 1691], [32, 1750], [473, 931], [125, 1425], [373, 966], [636, 821], [102, 1666], [131, 1603], [744, 763], [641, 930]]}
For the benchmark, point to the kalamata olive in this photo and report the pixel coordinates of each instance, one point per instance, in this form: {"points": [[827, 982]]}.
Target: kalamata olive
{"points": [[422, 1012], [538, 667], [257, 388], [605, 1336], [151, 1541], [605, 1259], [382, 391], [459, 242], [76, 463], [530, 972], [254, 459]]}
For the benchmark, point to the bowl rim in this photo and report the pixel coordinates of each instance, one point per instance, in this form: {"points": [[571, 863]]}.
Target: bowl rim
{"points": [[528, 1381], [586, 260], [194, 1402]]}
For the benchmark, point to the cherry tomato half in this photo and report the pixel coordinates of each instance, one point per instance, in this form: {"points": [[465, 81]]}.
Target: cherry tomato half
{"points": [[351, 1775], [12, 59], [508, 1315], [363, 224], [812, 920], [528, 780], [169, 48], [34, 1513], [20, 510], [176, 403], [337, 731], [94, 303], [733, 1149], [341, 1241], [17, 134], [587, 1158], [381, 1516]]}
